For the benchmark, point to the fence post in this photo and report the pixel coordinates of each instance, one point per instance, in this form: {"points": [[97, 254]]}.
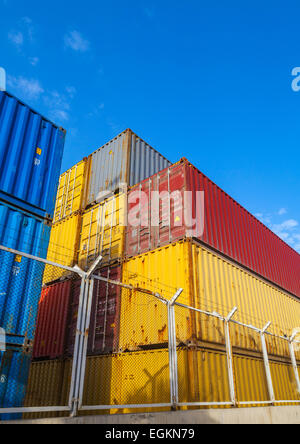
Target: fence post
{"points": [[229, 356], [85, 342], [294, 362], [267, 363], [73, 399], [173, 364], [80, 348]]}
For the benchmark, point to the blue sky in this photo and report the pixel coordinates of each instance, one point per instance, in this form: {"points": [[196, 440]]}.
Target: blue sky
{"points": [[210, 83]]}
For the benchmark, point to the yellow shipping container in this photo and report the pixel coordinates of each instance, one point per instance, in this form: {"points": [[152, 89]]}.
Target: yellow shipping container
{"points": [[211, 283], [48, 386], [143, 378], [63, 247], [103, 230], [72, 189]]}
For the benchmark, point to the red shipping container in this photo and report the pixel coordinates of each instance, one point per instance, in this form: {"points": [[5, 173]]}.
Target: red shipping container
{"points": [[105, 314], [52, 321], [227, 226]]}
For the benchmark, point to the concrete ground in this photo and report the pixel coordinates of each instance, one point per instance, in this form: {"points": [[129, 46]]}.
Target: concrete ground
{"points": [[263, 415]]}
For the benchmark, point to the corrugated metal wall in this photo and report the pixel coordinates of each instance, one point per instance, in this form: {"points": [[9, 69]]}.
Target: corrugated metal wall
{"points": [[144, 160], [63, 247], [31, 151], [143, 377], [235, 232], [52, 322], [228, 227], [105, 314], [14, 370], [103, 232], [48, 385], [109, 167], [126, 159], [71, 194], [211, 283], [21, 278]]}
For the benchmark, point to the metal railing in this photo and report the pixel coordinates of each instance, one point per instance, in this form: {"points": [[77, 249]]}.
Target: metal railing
{"points": [[168, 307]]}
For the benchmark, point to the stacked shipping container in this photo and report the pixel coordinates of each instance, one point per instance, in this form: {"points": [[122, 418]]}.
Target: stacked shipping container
{"points": [[90, 220], [227, 227], [31, 151], [225, 258]]}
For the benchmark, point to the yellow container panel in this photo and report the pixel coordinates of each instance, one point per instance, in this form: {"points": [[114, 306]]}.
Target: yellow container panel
{"points": [[48, 386], [220, 285], [210, 283], [297, 352], [202, 376], [143, 318], [99, 379], [284, 382], [63, 247], [250, 380], [71, 194], [129, 378], [103, 230], [143, 378]]}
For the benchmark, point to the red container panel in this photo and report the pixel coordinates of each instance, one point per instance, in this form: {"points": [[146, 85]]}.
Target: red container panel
{"points": [[228, 227], [105, 318], [52, 321], [105, 314]]}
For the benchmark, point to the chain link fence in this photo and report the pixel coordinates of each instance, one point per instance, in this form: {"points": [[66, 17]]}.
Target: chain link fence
{"points": [[105, 346]]}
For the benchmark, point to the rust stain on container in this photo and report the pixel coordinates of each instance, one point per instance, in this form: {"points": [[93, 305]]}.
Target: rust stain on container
{"points": [[211, 283]]}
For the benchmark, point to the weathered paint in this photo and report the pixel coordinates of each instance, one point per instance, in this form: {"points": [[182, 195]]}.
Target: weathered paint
{"points": [[71, 194], [21, 278], [284, 382], [210, 282], [105, 314], [228, 227], [31, 150], [63, 247], [52, 321], [127, 159], [103, 232]]}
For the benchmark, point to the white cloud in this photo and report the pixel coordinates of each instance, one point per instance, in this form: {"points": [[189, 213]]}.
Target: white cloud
{"points": [[75, 41], [97, 111], [29, 89], [287, 230], [58, 105], [71, 91], [28, 24], [264, 218], [282, 211], [287, 225], [34, 60], [16, 38], [59, 115]]}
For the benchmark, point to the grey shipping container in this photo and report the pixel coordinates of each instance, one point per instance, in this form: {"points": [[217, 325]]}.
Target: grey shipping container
{"points": [[125, 159]]}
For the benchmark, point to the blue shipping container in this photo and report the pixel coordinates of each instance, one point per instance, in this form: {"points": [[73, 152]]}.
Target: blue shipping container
{"points": [[20, 290], [31, 149], [21, 278], [14, 373]]}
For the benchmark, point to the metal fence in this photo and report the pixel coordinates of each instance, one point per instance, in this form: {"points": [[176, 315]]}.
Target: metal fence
{"points": [[177, 356]]}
